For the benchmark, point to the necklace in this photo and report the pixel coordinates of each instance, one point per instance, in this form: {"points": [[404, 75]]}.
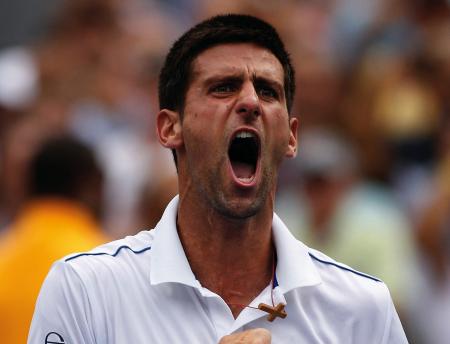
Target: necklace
{"points": [[274, 311]]}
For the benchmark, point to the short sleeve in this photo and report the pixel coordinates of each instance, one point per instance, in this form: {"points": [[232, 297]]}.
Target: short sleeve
{"points": [[62, 313]]}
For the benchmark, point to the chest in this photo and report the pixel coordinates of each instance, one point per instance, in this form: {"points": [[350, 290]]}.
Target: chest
{"points": [[176, 314]]}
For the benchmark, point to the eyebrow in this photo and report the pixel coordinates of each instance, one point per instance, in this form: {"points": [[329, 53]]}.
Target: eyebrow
{"points": [[238, 78], [235, 77]]}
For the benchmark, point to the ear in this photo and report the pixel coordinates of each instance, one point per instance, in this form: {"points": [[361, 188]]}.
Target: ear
{"points": [[291, 151], [168, 125]]}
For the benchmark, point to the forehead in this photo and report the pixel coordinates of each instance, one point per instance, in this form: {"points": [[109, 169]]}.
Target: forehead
{"points": [[237, 58]]}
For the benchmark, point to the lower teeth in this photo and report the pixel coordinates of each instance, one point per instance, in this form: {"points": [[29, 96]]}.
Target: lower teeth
{"points": [[245, 179]]}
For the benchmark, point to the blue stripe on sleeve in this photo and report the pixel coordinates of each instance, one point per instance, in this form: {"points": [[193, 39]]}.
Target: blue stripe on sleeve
{"points": [[109, 254], [344, 268]]}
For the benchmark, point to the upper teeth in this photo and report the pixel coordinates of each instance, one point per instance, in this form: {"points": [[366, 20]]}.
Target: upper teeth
{"points": [[244, 134]]}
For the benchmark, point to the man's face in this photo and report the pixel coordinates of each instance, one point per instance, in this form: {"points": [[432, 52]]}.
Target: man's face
{"points": [[236, 129]]}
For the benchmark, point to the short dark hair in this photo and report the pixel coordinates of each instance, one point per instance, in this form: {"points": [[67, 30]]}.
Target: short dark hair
{"points": [[175, 75]]}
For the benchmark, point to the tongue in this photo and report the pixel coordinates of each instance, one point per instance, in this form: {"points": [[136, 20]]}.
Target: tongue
{"points": [[242, 170]]}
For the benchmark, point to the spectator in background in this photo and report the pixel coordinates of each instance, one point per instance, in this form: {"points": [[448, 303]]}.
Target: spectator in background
{"points": [[338, 212], [59, 216], [104, 75]]}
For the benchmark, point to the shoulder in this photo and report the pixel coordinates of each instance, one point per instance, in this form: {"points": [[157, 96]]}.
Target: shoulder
{"points": [[111, 260], [79, 287], [346, 294], [329, 267], [351, 290], [135, 244], [343, 278]]}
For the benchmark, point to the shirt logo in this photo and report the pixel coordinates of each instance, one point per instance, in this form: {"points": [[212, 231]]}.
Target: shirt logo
{"points": [[54, 338]]}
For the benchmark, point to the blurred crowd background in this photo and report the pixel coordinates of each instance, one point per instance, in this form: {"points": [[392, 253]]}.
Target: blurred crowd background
{"points": [[80, 162]]}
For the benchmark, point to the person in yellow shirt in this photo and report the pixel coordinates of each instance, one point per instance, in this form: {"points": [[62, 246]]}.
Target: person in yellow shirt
{"points": [[59, 217]]}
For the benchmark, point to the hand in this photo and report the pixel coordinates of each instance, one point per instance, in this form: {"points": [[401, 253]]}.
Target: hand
{"points": [[253, 336]]}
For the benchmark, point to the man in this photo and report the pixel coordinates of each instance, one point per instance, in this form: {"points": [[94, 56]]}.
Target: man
{"points": [[58, 217], [219, 266]]}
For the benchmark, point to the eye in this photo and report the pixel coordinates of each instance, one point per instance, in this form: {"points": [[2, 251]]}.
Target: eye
{"points": [[223, 88], [267, 92]]}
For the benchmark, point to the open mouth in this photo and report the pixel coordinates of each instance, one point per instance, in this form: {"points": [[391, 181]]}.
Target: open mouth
{"points": [[243, 154]]}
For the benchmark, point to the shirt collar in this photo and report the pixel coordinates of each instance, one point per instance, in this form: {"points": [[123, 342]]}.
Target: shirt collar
{"points": [[168, 260], [295, 268], [169, 263]]}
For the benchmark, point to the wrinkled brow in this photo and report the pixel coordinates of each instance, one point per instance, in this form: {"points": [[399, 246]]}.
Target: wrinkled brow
{"points": [[238, 78]]}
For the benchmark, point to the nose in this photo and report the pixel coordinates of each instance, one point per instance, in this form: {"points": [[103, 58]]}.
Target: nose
{"points": [[248, 102]]}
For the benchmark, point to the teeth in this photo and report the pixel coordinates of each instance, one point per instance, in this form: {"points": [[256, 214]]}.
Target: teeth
{"points": [[246, 180], [244, 135]]}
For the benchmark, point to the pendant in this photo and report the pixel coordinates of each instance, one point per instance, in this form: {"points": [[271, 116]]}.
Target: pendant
{"points": [[274, 312]]}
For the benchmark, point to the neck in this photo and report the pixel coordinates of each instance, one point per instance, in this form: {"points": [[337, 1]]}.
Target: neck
{"points": [[231, 257]]}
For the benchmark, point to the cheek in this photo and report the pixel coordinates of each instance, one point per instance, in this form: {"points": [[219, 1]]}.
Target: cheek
{"points": [[192, 137], [279, 129], [200, 140]]}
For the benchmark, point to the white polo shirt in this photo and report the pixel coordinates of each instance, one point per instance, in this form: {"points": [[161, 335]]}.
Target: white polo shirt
{"points": [[141, 289]]}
